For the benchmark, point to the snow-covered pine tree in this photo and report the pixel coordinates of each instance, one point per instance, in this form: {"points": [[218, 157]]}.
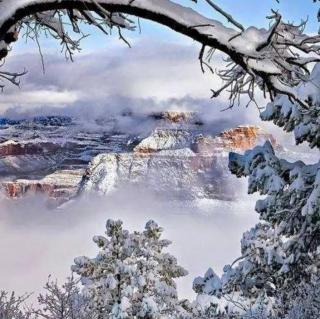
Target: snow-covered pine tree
{"points": [[281, 255], [131, 277], [157, 273]]}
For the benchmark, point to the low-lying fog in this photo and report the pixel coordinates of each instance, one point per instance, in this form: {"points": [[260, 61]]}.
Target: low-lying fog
{"points": [[36, 241]]}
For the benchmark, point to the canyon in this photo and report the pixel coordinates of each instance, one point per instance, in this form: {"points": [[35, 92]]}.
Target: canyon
{"points": [[60, 158]]}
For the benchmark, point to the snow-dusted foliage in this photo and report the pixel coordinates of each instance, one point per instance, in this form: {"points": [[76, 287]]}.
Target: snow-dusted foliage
{"points": [[13, 306], [305, 123], [287, 240], [132, 277], [306, 301], [209, 285], [214, 300], [280, 255]]}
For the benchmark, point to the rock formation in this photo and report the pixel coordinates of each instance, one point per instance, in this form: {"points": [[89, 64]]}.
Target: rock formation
{"points": [[236, 139], [175, 162], [59, 186], [60, 158]]}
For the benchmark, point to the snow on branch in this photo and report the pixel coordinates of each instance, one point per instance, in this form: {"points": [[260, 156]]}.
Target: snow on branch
{"points": [[282, 250], [275, 60], [12, 306], [287, 114], [279, 255]]}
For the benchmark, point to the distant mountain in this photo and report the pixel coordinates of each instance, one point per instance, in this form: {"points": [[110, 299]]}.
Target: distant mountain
{"points": [[40, 120], [62, 158]]}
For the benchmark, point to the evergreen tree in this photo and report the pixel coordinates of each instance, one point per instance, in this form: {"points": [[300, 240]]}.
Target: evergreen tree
{"points": [[279, 264], [131, 277]]}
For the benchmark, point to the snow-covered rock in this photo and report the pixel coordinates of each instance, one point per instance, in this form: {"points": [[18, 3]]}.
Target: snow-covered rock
{"points": [[50, 154], [175, 162], [163, 139]]}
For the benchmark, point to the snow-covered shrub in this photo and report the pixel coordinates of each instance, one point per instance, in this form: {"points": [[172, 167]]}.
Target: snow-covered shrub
{"points": [[63, 302]]}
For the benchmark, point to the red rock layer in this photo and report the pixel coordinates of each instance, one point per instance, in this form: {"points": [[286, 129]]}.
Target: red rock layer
{"points": [[18, 189], [238, 139], [15, 149]]}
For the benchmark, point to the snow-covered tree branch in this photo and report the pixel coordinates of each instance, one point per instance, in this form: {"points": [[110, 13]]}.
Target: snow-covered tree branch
{"points": [[287, 114], [63, 302], [275, 60], [13, 306], [281, 253]]}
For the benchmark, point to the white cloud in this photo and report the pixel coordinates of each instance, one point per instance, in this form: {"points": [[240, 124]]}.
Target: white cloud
{"points": [[41, 97], [151, 76], [147, 70]]}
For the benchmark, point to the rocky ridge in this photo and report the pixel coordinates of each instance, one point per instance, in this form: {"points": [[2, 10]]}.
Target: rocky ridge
{"points": [[60, 159], [176, 162]]}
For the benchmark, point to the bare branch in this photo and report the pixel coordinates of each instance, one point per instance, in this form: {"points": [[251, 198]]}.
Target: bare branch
{"points": [[226, 15], [11, 77]]}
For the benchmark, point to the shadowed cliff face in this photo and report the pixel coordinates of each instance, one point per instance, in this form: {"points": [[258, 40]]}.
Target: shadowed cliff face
{"points": [[177, 158]]}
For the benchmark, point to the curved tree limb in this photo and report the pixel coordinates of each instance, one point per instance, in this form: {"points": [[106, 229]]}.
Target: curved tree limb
{"points": [[268, 59]]}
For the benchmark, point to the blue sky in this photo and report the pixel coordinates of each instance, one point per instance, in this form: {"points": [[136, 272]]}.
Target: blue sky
{"points": [[247, 12], [254, 12]]}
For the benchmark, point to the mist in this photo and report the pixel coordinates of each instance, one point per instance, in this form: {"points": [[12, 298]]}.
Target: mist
{"points": [[37, 241], [115, 83]]}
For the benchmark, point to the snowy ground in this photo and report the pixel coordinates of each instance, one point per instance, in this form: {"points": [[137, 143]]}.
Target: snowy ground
{"points": [[36, 241]]}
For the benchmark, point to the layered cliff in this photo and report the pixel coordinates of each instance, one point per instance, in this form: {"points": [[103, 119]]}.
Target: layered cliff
{"points": [[176, 163], [60, 186], [236, 139], [60, 158]]}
